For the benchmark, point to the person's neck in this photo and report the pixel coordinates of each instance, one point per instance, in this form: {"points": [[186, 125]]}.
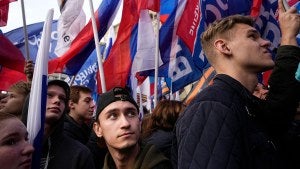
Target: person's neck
{"points": [[75, 117], [248, 80], [124, 159]]}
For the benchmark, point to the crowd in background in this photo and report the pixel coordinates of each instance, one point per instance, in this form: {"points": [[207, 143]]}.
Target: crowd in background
{"points": [[235, 123]]}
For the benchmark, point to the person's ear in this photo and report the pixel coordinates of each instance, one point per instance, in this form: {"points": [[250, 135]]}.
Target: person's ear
{"points": [[222, 46], [97, 129], [71, 104]]}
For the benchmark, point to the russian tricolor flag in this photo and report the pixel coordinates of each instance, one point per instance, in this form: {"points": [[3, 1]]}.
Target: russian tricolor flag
{"points": [[38, 94], [118, 64], [83, 45]]}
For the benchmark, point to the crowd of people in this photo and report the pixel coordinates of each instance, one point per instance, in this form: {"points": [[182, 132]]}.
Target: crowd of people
{"points": [[234, 123]]}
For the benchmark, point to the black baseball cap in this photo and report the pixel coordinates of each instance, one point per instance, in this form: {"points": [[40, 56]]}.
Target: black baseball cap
{"points": [[115, 94]]}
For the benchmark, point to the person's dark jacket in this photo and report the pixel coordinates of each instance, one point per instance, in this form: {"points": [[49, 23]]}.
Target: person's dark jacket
{"points": [[148, 158], [64, 152], [226, 127], [98, 150], [283, 80], [162, 140], [78, 132]]}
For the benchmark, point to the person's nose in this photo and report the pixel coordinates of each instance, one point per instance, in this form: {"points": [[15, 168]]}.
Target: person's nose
{"points": [[56, 100], [28, 149], [124, 122], [265, 43], [92, 105]]}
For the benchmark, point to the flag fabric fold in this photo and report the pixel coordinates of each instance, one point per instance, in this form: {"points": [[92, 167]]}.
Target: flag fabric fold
{"points": [[124, 49], [38, 93], [189, 23], [83, 45], [34, 32], [10, 56], [109, 42], [145, 55], [9, 77], [70, 23], [4, 8], [118, 64]]}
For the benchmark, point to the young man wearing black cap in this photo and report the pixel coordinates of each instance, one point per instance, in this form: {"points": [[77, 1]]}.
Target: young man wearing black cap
{"points": [[119, 123]]}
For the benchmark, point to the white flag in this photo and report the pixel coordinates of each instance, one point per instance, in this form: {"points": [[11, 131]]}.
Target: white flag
{"points": [[70, 23]]}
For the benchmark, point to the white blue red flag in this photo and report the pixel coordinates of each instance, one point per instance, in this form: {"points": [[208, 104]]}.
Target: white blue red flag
{"points": [[145, 55], [118, 64], [179, 64], [109, 42], [83, 45], [166, 8], [38, 94]]}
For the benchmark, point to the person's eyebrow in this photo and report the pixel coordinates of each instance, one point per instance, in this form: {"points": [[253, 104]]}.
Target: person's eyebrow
{"points": [[10, 135], [253, 31]]}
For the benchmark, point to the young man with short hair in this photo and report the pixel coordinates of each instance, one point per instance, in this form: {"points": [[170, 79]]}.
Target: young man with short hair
{"points": [[78, 119], [118, 123], [225, 126]]}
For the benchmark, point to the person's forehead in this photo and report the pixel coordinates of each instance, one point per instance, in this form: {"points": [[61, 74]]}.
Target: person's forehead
{"points": [[11, 122], [12, 92], [56, 88], [118, 105], [244, 28], [83, 94]]}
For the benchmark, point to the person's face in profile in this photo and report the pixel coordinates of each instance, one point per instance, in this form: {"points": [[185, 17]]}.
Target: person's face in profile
{"points": [[12, 103]]}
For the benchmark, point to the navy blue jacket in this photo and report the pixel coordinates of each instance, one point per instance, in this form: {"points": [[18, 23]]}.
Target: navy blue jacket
{"points": [[226, 127]]}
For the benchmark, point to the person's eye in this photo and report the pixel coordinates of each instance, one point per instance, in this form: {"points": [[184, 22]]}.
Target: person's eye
{"points": [[10, 142], [112, 116], [252, 36], [12, 96], [62, 99], [87, 100], [131, 113], [50, 95]]}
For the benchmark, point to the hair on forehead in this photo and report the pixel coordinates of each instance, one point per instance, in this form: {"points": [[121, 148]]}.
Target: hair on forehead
{"points": [[21, 87]]}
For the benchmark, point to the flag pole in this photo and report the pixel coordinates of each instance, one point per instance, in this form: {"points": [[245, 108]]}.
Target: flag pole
{"points": [[97, 45], [25, 30], [156, 58]]}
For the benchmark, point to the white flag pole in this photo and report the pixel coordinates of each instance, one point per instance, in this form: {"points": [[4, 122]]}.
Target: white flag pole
{"points": [[25, 30], [156, 58], [97, 45]]}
